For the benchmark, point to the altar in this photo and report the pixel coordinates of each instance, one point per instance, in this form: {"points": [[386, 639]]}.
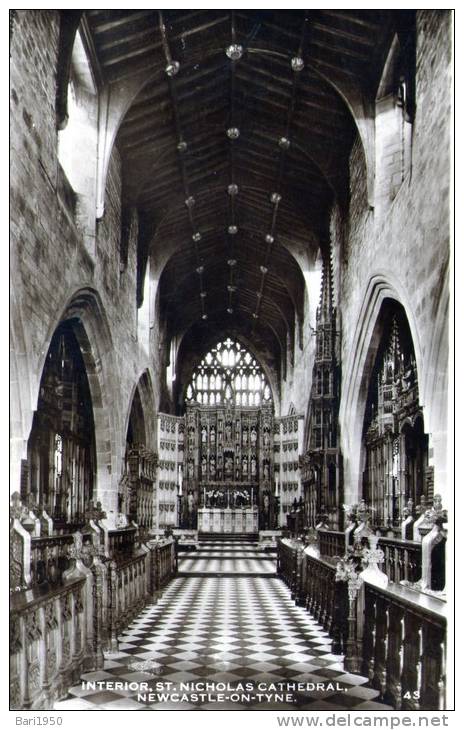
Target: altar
{"points": [[228, 520]]}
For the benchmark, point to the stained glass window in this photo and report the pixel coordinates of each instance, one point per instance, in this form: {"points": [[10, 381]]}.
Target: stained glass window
{"points": [[229, 374]]}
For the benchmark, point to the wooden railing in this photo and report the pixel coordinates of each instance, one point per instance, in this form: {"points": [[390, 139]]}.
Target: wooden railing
{"points": [[326, 599], [397, 637], [128, 591], [71, 603], [403, 647], [331, 543], [287, 563], [402, 559], [47, 643], [122, 542], [165, 561], [49, 559]]}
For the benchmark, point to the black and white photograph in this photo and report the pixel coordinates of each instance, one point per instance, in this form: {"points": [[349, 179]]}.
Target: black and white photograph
{"points": [[231, 376]]}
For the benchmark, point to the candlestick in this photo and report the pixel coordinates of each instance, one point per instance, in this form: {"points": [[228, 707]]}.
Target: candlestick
{"points": [[179, 478]]}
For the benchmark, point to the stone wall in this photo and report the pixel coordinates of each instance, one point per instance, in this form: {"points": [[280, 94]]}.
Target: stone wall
{"points": [[53, 274], [401, 251]]}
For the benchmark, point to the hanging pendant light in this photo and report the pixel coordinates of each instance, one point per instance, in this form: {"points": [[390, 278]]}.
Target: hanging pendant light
{"points": [[297, 64], [172, 69], [234, 51], [233, 133]]}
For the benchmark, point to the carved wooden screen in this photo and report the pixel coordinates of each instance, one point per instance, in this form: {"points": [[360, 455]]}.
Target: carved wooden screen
{"points": [[61, 447], [394, 439]]}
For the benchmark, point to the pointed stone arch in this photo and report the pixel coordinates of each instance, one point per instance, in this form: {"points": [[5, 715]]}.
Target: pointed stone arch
{"points": [[143, 398], [358, 368], [84, 310]]}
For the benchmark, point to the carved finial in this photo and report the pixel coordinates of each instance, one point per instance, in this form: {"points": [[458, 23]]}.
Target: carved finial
{"points": [[16, 506], [421, 508], [409, 509], [437, 503], [94, 512], [325, 311], [362, 511]]}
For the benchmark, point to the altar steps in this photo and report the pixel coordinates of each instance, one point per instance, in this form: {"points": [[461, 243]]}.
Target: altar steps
{"points": [[228, 537], [227, 559]]}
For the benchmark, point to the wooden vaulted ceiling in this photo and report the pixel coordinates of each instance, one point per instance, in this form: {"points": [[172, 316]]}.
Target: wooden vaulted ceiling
{"points": [[295, 136]]}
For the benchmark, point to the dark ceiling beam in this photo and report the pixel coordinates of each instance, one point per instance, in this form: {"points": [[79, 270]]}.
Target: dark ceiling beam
{"points": [[327, 108], [131, 131], [192, 316], [126, 39], [216, 301], [202, 137], [167, 182], [105, 27], [206, 199], [186, 33], [341, 51], [217, 272], [297, 209], [358, 39], [284, 273], [109, 60], [346, 18], [344, 71]]}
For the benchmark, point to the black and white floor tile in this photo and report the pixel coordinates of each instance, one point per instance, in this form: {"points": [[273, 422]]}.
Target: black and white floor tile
{"points": [[231, 557], [227, 642]]}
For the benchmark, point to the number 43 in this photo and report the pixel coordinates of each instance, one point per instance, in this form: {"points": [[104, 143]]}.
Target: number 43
{"points": [[412, 695]]}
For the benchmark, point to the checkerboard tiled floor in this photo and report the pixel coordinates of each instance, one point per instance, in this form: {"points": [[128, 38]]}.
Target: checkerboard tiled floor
{"points": [[227, 557], [242, 633]]}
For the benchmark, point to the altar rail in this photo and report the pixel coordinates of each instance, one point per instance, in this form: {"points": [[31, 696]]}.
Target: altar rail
{"points": [[398, 635], [72, 600], [402, 557]]}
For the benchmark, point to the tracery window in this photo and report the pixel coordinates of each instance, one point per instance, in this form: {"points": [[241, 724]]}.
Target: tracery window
{"points": [[229, 375]]}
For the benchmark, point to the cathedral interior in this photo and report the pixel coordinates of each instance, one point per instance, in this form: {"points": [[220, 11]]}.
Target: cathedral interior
{"points": [[229, 357]]}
